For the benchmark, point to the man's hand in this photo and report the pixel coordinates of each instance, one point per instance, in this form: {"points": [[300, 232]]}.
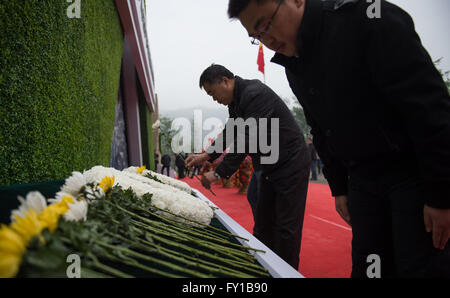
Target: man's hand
{"points": [[438, 222], [206, 166], [341, 203], [197, 159], [208, 178]]}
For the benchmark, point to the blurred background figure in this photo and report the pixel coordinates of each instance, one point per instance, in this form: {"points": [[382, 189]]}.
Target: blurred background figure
{"points": [[315, 167], [179, 163], [165, 160]]}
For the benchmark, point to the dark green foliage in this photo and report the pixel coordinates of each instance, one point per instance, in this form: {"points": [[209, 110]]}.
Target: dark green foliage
{"points": [[445, 74], [59, 79], [150, 176]]}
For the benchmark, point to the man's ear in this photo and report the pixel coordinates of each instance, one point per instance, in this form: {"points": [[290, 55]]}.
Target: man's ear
{"points": [[226, 81], [298, 3]]}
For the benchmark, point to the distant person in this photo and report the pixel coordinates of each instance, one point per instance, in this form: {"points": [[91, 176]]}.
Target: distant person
{"points": [[179, 163], [165, 160], [195, 171], [314, 160]]}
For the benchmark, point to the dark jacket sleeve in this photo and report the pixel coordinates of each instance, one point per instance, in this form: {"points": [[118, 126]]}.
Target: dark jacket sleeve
{"points": [[333, 169], [214, 150], [231, 162], [409, 83]]}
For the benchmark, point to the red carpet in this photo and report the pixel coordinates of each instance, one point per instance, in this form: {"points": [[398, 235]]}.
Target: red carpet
{"points": [[326, 242]]}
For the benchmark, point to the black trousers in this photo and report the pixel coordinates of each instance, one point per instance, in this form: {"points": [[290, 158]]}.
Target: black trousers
{"points": [[280, 211], [168, 170], [181, 173], [387, 219]]}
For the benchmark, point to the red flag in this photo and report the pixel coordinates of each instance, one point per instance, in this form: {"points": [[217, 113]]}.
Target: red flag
{"points": [[260, 60]]}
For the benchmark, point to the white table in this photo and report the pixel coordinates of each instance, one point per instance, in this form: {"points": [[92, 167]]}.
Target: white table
{"points": [[276, 266]]}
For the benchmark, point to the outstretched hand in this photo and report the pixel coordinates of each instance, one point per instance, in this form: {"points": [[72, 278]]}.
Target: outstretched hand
{"points": [[196, 159], [341, 204], [207, 179]]}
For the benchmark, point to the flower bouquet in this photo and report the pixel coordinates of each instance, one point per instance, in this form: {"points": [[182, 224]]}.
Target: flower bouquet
{"points": [[131, 223]]}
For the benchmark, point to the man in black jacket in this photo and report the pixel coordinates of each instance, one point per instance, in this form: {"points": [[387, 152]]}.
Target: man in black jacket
{"points": [[261, 116], [165, 160], [380, 118], [179, 163]]}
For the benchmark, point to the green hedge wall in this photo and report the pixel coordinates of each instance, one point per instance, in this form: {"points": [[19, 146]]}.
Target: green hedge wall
{"points": [[59, 80]]}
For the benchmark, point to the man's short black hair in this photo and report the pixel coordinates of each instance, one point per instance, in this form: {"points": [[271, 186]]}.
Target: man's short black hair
{"points": [[235, 7], [214, 74]]}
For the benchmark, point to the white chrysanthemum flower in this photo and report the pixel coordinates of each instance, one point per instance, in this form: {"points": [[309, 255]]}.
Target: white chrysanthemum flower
{"points": [[94, 194], [34, 200], [58, 197], [164, 196], [74, 184], [166, 180], [77, 211]]}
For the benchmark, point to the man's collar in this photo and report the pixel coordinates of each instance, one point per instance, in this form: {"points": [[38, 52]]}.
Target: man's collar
{"points": [[237, 87], [309, 30], [237, 90]]}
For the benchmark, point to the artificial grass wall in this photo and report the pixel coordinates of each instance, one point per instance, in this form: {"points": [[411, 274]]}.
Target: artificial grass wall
{"points": [[59, 80]]}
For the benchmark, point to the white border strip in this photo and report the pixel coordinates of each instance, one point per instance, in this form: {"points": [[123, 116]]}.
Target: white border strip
{"points": [[276, 266]]}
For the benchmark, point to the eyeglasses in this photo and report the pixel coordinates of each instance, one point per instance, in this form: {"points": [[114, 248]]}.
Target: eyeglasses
{"points": [[255, 40]]}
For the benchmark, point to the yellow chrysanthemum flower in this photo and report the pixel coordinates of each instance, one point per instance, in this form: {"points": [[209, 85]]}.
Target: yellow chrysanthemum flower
{"points": [[14, 239], [50, 216], [12, 246], [64, 203], [11, 242], [27, 226], [106, 183], [9, 264], [141, 169]]}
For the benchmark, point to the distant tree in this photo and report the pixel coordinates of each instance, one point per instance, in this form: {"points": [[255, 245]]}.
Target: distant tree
{"points": [[166, 135], [445, 74]]}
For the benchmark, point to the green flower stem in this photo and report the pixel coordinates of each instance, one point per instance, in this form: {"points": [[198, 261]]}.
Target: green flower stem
{"points": [[202, 224], [237, 263], [188, 231], [90, 273], [199, 233], [226, 251], [182, 259], [210, 237], [97, 264], [117, 273], [204, 230], [154, 260], [200, 242], [258, 271], [133, 263]]}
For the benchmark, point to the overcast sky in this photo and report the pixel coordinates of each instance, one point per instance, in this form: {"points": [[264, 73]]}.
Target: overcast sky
{"points": [[186, 36]]}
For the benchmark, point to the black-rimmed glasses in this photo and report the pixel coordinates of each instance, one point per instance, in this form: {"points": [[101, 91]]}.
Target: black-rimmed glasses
{"points": [[255, 40]]}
